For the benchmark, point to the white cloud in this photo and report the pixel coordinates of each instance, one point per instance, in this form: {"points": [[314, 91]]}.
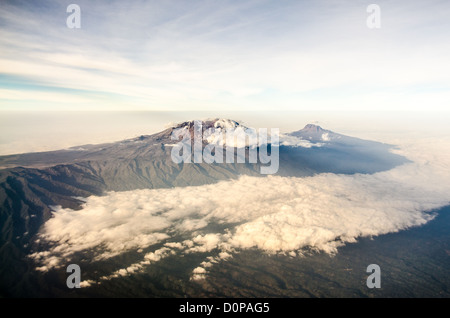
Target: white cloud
{"points": [[198, 273], [205, 243], [325, 137], [293, 141], [274, 214], [86, 283], [199, 270]]}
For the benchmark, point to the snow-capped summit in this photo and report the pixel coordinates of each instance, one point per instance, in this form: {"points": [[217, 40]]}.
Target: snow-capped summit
{"points": [[216, 134], [209, 123], [212, 130], [226, 123]]}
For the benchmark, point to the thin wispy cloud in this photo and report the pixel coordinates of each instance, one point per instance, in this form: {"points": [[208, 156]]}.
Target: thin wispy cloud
{"points": [[226, 54]]}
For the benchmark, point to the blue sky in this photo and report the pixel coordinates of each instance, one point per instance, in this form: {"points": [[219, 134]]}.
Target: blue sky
{"points": [[233, 55]]}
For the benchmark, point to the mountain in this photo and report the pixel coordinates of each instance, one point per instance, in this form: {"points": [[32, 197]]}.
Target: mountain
{"points": [[316, 134], [31, 183]]}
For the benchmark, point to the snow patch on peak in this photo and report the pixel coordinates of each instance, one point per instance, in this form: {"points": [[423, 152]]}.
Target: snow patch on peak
{"points": [[313, 127], [208, 123], [227, 123]]}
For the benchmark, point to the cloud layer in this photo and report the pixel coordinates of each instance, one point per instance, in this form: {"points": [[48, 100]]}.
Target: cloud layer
{"points": [[174, 55], [274, 214]]}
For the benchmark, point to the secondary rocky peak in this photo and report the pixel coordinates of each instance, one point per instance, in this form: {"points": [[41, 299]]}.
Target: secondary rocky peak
{"points": [[313, 128]]}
